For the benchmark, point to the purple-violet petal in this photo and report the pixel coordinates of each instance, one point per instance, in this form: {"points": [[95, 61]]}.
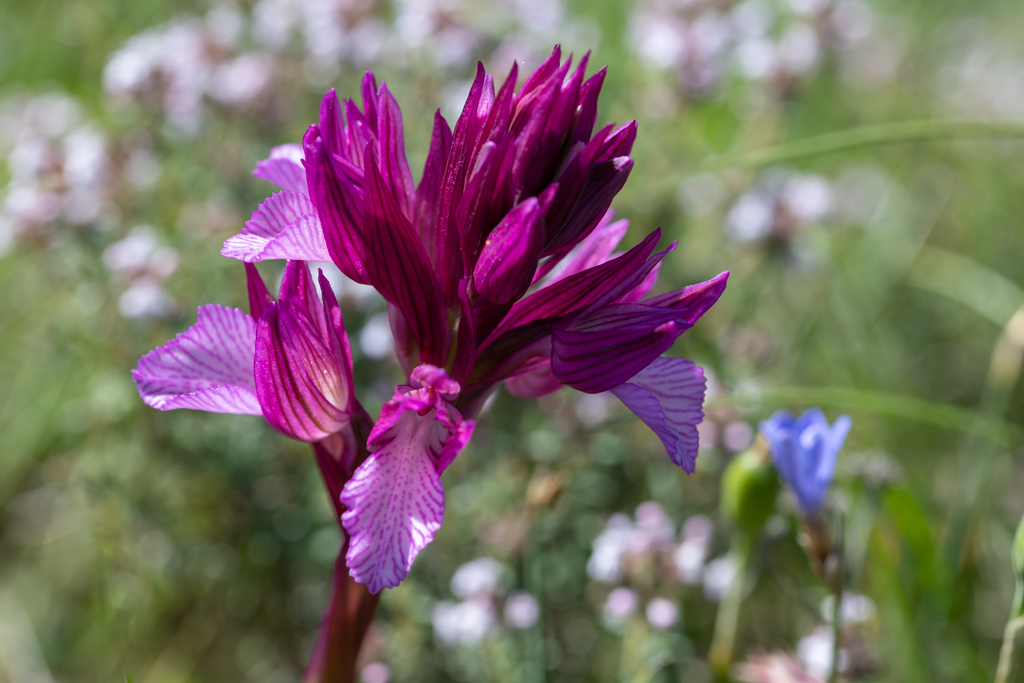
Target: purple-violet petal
{"points": [[284, 168], [534, 383], [464, 138], [207, 367], [428, 192], [398, 268], [337, 194], [693, 301], [259, 295], [600, 350], [394, 166], [508, 258], [668, 395], [583, 289], [285, 226]]}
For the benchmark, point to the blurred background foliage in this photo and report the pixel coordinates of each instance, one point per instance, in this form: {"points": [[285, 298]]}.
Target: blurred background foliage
{"points": [[879, 280]]}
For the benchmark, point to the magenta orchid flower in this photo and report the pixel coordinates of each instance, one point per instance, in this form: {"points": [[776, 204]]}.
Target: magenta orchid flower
{"points": [[498, 267], [288, 360]]}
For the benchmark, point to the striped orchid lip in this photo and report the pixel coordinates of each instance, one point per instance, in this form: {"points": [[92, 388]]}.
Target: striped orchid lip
{"points": [[498, 268]]}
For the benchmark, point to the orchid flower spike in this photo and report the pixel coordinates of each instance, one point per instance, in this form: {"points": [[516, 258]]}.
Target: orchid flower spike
{"points": [[498, 268], [804, 451]]}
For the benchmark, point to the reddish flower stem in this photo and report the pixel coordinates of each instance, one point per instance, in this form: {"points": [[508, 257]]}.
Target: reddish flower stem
{"points": [[351, 608]]}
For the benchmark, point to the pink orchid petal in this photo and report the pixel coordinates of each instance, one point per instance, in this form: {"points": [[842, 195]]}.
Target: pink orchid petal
{"points": [[303, 366], [284, 169], [285, 226], [208, 367], [395, 504], [534, 383], [395, 499], [668, 395]]}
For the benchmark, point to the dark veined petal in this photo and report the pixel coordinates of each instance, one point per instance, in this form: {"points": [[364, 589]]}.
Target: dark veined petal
{"points": [[285, 226], [508, 259], [284, 168], [694, 301], [207, 367], [394, 166], [398, 268], [605, 282], [604, 181], [337, 193], [596, 249], [428, 192], [465, 351], [668, 395], [259, 295], [464, 147], [303, 362], [603, 349]]}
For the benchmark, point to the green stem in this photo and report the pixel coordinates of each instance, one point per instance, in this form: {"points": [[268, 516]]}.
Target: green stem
{"points": [[1010, 653], [533, 560], [727, 620], [868, 136], [838, 580]]}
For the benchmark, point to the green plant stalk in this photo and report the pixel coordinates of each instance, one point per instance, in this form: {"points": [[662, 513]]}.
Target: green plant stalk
{"points": [[978, 457], [1013, 636], [868, 136], [728, 618], [837, 632], [533, 560]]}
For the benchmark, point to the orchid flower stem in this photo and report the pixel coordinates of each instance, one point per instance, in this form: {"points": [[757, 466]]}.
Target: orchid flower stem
{"points": [[727, 621]]}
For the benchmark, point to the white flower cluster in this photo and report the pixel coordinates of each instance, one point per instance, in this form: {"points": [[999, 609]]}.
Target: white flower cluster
{"points": [[142, 264], [57, 165], [780, 205], [812, 662], [644, 551], [474, 616], [757, 40], [239, 59], [60, 169]]}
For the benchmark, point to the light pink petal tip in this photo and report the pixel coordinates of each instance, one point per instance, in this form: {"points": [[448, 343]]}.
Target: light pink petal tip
{"points": [[284, 169], [668, 395], [208, 367], [395, 500], [285, 226]]}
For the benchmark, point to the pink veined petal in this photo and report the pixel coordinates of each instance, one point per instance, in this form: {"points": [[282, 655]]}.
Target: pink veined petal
{"points": [[395, 499], [285, 226], [208, 367], [395, 503], [534, 383], [284, 169], [668, 395]]}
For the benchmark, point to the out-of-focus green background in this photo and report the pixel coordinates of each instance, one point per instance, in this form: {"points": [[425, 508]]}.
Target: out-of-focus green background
{"points": [[877, 280]]}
